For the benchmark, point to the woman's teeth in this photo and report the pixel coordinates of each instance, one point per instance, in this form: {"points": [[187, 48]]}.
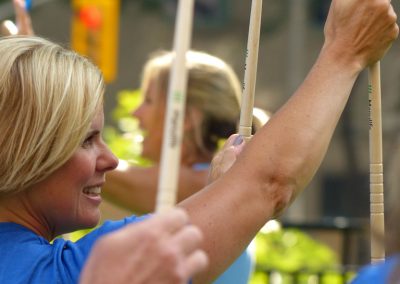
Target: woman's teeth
{"points": [[92, 190]]}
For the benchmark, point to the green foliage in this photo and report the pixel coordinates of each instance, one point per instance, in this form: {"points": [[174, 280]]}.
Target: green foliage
{"points": [[74, 236], [290, 254], [291, 250], [125, 139]]}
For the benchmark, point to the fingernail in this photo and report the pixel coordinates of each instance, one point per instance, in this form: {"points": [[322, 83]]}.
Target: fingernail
{"points": [[238, 140]]}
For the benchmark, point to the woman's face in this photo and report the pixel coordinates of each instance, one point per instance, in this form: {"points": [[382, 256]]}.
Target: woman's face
{"points": [[151, 120], [69, 199]]}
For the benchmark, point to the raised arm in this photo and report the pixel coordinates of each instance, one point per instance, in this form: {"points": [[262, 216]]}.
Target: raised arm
{"points": [[284, 155]]}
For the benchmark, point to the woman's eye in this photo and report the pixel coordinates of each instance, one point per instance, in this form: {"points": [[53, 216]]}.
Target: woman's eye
{"points": [[91, 138], [147, 100], [88, 142]]}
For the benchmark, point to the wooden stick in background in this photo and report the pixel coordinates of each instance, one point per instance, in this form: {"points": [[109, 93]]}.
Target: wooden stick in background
{"points": [[376, 166], [8, 28], [250, 73], [176, 100]]}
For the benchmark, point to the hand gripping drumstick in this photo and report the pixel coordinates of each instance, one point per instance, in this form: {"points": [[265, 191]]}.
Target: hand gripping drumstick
{"points": [[173, 127], [376, 166], [250, 73]]}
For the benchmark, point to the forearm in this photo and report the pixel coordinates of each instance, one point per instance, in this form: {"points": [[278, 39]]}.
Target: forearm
{"points": [[136, 188], [289, 150]]}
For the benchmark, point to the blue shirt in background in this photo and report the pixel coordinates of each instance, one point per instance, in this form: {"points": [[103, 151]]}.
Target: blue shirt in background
{"points": [[378, 273]]}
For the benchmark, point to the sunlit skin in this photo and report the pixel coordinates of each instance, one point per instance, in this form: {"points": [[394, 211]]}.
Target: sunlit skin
{"points": [[69, 198]]}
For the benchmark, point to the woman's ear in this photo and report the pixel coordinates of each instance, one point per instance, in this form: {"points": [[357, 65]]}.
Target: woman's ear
{"points": [[193, 129], [193, 119]]}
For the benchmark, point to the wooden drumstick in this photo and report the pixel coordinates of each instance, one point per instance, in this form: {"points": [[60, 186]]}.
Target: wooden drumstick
{"points": [[175, 112], [376, 166], [250, 73]]}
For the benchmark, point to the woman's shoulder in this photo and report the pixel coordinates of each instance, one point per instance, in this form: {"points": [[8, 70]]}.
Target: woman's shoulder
{"points": [[28, 258], [110, 226]]}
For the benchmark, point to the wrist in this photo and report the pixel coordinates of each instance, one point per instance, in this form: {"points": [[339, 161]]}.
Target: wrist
{"points": [[343, 61]]}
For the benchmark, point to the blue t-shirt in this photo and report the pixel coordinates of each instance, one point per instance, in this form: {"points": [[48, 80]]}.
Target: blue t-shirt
{"points": [[26, 257], [239, 272], [378, 273]]}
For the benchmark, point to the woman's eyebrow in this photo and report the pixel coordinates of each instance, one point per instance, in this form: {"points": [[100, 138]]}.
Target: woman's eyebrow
{"points": [[93, 132]]}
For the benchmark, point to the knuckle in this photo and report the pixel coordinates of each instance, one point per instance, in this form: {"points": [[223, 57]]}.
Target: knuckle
{"points": [[180, 275], [393, 17], [177, 277], [148, 236], [170, 255], [197, 234], [395, 32]]}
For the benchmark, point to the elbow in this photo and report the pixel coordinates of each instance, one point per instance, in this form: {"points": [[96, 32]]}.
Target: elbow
{"points": [[279, 190]]}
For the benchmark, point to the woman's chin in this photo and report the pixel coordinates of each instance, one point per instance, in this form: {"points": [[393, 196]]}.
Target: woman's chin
{"points": [[90, 221]]}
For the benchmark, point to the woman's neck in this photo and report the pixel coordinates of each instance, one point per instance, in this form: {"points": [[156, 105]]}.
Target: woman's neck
{"points": [[17, 209], [191, 154], [192, 157]]}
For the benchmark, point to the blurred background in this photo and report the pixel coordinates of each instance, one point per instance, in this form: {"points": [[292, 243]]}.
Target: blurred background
{"points": [[121, 35]]}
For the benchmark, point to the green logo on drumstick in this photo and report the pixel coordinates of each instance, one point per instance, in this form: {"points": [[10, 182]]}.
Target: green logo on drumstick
{"points": [[178, 97]]}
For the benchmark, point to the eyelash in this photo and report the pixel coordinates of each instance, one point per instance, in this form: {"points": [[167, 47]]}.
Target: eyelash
{"points": [[88, 141]]}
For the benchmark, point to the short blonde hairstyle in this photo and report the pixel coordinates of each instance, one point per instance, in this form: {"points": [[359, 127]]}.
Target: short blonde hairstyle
{"points": [[48, 98], [213, 89]]}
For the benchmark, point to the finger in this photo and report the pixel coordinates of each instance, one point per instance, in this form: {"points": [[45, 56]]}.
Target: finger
{"points": [[214, 169], [228, 159], [170, 221], [196, 262], [188, 239], [239, 140], [230, 141], [395, 24], [239, 148]]}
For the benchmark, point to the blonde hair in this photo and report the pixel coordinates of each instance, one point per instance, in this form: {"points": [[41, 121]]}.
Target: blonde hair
{"points": [[213, 89], [48, 98]]}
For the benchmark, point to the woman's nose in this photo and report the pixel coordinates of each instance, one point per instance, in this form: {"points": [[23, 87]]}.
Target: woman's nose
{"points": [[137, 112], [108, 161]]}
